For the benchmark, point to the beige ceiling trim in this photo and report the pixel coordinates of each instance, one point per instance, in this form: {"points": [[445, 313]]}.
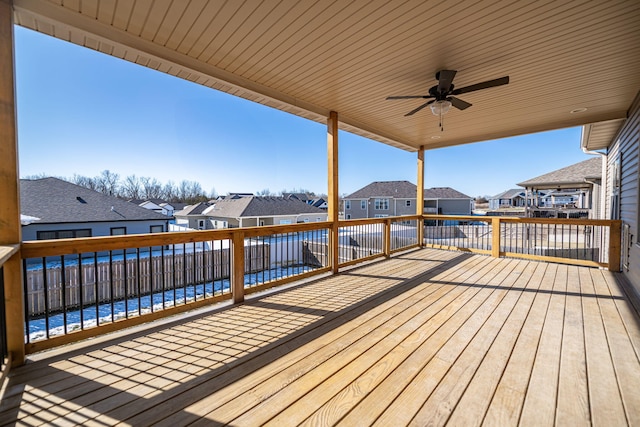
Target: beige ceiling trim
{"points": [[545, 127], [598, 136], [52, 19]]}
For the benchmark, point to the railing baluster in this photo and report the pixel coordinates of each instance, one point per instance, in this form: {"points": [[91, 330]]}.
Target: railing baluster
{"points": [[80, 290], [64, 295]]}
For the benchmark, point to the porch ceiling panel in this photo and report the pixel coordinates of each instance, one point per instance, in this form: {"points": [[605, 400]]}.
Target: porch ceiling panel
{"points": [[309, 57]]}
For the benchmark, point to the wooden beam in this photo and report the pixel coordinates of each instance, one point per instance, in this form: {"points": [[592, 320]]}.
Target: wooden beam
{"points": [[332, 191], [10, 229], [495, 237], [237, 272], [420, 196], [387, 237], [615, 245]]}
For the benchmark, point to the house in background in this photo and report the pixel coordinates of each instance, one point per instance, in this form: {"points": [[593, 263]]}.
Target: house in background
{"points": [[55, 209], [395, 198], [159, 205], [232, 196], [514, 198], [318, 202], [572, 191], [193, 217], [259, 211], [447, 201], [250, 211]]}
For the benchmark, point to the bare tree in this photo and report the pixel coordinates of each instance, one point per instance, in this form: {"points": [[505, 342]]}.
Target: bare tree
{"points": [[170, 192], [265, 192], [84, 181], [131, 188], [213, 194], [108, 182], [152, 188]]}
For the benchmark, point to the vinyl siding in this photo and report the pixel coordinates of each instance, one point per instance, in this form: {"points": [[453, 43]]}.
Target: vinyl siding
{"points": [[30, 232], [627, 147]]}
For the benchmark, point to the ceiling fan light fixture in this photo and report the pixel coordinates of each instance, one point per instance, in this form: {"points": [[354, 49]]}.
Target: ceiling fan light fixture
{"points": [[440, 107]]}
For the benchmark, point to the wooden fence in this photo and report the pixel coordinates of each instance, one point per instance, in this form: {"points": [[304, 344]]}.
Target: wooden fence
{"points": [[103, 281]]}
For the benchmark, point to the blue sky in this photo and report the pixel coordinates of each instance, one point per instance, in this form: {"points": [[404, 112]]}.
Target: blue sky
{"points": [[81, 112]]}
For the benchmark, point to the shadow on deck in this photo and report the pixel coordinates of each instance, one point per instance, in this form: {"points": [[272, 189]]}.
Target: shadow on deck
{"points": [[427, 336]]}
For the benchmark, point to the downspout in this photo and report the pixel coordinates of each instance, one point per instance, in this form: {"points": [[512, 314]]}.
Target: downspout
{"points": [[604, 179]]}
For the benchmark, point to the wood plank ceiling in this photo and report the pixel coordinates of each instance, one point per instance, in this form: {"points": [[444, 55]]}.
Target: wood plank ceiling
{"points": [[309, 57]]}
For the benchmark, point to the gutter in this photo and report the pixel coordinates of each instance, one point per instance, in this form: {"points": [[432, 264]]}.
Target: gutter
{"points": [[584, 137]]}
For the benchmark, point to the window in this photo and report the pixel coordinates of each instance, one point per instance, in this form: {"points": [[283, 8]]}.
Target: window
{"points": [[381, 204], [63, 234], [408, 203], [156, 229], [615, 188], [363, 204], [118, 231], [348, 216], [347, 204], [380, 216], [201, 224]]}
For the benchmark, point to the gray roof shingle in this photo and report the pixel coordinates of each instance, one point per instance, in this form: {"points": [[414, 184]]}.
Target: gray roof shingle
{"points": [[53, 200], [443, 193], [404, 190], [196, 209], [570, 175], [260, 206], [396, 189], [509, 194]]}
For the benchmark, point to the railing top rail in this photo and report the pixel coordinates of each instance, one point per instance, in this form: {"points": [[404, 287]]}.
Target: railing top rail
{"points": [[460, 217], [6, 251], [364, 221], [568, 221], [572, 221], [282, 229], [40, 248]]}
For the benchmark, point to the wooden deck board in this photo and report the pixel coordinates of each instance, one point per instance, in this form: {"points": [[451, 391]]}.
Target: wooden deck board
{"points": [[427, 337], [472, 406], [604, 396], [573, 393]]}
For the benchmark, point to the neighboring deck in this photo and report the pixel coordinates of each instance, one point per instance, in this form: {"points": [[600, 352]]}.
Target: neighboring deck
{"points": [[425, 337]]}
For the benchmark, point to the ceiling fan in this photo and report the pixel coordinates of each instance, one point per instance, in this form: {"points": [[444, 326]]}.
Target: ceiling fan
{"points": [[443, 93]]}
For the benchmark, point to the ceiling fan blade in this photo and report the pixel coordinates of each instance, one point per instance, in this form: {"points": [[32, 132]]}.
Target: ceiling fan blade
{"points": [[410, 97], [484, 85], [419, 108], [445, 79], [459, 103]]}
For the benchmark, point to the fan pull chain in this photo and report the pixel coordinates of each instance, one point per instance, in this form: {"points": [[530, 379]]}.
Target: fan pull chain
{"points": [[441, 122]]}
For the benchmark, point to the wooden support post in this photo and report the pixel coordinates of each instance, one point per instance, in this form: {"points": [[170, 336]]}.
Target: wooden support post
{"points": [[10, 231], [495, 237], [387, 238], [420, 197], [332, 193], [237, 268], [615, 245]]}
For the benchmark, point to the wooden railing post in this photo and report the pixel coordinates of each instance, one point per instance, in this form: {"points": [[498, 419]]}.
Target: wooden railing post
{"points": [[10, 229], [387, 238], [332, 191], [237, 271], [495, 237], [420, 198], [615, 243]]}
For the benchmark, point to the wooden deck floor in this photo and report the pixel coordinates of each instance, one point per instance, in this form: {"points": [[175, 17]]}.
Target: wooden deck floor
{"points": [[426, 338]]}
